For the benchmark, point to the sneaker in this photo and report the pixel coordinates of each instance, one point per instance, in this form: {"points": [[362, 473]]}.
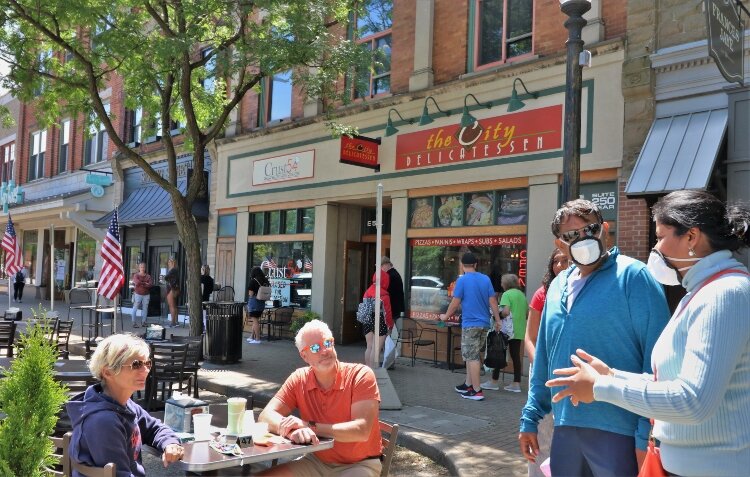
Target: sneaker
{"points": [[136, 325], [473, 395], [252, 341], [488, 385], [513, 387], [462, 388]]}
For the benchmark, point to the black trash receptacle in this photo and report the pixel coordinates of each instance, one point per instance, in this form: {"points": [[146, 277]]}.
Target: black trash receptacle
{"points": [[154, 304], [223, 339]]}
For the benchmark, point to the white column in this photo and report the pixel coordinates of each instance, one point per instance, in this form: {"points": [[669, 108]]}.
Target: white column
{"points": [[240, 255], [422, 76]]}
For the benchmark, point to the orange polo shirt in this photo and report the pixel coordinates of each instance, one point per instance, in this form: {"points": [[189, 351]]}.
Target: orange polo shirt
{"points": [[354, 383]]}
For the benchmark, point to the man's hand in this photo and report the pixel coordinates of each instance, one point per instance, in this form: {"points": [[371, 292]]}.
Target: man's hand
{"points": [[497, 325], [290, 423], [529, 445], [172, 453], [303, 435]]}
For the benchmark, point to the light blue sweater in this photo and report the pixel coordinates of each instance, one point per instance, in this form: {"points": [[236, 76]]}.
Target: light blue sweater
{"points": [[701, 403], [617, 316]]}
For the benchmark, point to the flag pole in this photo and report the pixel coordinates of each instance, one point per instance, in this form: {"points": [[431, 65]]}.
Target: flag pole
{"points": [[52, 268], [378, 243]]}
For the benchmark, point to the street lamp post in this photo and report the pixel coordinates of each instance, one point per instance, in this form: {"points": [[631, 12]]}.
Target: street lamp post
{"points": [[574, 9]]}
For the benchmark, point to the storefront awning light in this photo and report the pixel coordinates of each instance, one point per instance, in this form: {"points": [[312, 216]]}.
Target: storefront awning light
{"points": [[515, 103], [390, 129], [426, 119], [467, 119]]}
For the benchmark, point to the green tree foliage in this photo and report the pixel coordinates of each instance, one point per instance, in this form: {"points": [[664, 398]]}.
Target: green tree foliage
{"points": [[63, 55], [31, 399]]}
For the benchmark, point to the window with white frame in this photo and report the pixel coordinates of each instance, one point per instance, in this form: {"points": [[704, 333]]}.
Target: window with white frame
{"points": [[95, 149], [208, 81], [279, 97], [373, 32], [36, 159], [9, 159], [62, 160], [134, 125], [502, 30]]}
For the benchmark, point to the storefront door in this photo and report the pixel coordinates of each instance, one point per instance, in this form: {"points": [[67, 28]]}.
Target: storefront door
{"points": [[225, 266], [352, 295]]}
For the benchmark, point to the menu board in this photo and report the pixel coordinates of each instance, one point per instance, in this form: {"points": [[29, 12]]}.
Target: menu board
{"points": [[421, 213], [480, 208], [450, 210], [513, 207]]}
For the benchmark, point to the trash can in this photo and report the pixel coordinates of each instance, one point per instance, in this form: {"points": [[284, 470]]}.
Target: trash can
{"points": [[223, 338], [154, 304]]}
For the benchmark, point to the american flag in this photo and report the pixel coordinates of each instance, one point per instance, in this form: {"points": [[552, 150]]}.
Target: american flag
{"points": [[13, 256], [308, 264], [268, 263], [112, 276]]}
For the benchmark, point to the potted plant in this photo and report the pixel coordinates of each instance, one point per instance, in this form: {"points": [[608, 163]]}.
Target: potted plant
{"points": [[30, 399], [299, 321]]}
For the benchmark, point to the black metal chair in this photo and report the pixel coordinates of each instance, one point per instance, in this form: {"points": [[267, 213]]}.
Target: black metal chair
{"points": [[7, 336], [64, 328], [79, 299], [282, 318], [421, 338], [167, 369], [224, 294], [193, 358]]}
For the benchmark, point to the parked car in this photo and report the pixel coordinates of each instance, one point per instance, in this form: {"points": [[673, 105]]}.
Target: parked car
{"points": [[428, 293]]}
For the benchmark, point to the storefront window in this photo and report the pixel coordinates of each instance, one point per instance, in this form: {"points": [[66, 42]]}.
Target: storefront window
{"points": [[435, 266], [227, 226], [290, 221], [85, 260], [509, 207], [308, 220], [274, 220], [30, 238], [257, 223], [288, 266]]}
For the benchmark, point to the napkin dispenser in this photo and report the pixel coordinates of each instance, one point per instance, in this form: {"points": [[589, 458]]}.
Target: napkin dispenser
{"points": [[179, 410], [155, 332]]}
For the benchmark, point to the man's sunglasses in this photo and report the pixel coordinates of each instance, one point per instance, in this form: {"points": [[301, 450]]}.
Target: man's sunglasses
{"points": [[590, 230], [316, 347], [138, 364]]}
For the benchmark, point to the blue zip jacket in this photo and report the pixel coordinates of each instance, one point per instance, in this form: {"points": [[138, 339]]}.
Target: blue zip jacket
{"points": [[617, 316], [105, 431]]}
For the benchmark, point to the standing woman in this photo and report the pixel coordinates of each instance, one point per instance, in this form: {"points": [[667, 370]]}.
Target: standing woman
{"points": [[386, 322], [699, 396], [172, 278], [107, 425], [255, 307]]}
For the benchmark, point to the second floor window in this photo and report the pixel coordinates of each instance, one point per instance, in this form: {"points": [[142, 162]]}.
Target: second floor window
{"points": [[62, 162], [374, 33], [503, 30], [9, 159], [134, 126], [279, 97], [210, 67], [95, 149], [36, 159]]}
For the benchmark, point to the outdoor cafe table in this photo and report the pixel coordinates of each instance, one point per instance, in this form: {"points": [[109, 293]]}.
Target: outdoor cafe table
{"points": [[200, 457], [67, 366]]}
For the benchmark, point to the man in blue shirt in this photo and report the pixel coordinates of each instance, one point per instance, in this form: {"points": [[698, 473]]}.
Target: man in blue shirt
{"points": [[609, 302], [475, 295]]}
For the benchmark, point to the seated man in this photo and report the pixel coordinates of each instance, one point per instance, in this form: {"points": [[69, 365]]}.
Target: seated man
{"points": [[334, 399]]}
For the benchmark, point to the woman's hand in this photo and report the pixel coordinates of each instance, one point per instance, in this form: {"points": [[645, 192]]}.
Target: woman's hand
{"points": [[596, 363], [579, 384], [172, 453]]}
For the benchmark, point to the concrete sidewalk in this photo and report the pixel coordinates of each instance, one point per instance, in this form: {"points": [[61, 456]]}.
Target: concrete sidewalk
{"points": [[470, 438]]}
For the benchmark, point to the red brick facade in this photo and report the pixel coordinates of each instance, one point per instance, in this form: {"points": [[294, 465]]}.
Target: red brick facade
{"points": [[632, 225]]}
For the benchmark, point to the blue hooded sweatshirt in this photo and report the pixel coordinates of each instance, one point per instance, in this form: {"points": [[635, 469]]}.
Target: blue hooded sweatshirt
{"points": [[617, 316], [105, 431]]}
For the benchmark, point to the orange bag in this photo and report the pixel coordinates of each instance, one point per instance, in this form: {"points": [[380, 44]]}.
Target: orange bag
{"points": [[652, 464]]}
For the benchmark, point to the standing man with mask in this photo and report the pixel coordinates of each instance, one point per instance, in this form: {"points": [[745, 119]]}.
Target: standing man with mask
{"points": [[395, 287], [608, 302]]}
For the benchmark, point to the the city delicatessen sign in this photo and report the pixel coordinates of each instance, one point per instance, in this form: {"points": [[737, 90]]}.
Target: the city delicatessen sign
{"points": [[512, 134]]}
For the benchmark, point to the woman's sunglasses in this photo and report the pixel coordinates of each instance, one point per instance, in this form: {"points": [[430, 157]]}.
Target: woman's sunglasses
{"points": [[590, 230], [316, 347], [138, 364]]}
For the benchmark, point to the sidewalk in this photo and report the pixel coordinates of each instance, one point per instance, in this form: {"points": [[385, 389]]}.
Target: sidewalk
{"points": [[469, 438]]}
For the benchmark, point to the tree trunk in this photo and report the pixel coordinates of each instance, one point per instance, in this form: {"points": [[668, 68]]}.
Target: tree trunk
{"points": [[188, 231]]}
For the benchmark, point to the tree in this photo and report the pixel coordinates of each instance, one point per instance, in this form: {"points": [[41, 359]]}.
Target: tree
{"points": [[180, 61]]}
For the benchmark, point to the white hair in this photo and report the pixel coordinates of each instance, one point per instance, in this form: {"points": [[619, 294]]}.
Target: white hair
{"points": [[311, 326], [114, 351]]}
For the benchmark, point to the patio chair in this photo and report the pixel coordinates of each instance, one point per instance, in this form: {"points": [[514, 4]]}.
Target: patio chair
{"points": [[7, 336], [79, 299], [193, 358], [389, 436], [421, 337], [109, 470], [282, 317], [167, 369], [62, 460], [64, 328]]}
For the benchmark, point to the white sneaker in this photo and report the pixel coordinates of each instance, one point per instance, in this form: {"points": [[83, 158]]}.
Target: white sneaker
{"points": [[513, 387], [254, 341], [488, 385]]}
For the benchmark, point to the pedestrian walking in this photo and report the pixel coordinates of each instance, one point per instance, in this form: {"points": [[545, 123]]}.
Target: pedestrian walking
{"points": [[142, 283], [395, 288], [19, 281]]}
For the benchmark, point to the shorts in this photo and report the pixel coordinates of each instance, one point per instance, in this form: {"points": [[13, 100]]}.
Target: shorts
{"points": [[369, 327], [309, 465], [473, 341]]}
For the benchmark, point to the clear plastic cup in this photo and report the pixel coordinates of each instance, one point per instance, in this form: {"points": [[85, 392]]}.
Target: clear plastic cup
{"points": [[202, 426], [248, 419]]}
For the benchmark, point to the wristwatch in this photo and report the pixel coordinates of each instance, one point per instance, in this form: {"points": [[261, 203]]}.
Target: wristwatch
{"points": [[312, 425]]}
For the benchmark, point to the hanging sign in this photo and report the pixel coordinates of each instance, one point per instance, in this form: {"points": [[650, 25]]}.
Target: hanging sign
{"points": [[360, 151], [726, 38]]}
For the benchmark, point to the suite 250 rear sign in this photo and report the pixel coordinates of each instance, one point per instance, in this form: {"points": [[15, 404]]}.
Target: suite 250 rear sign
{"points": [[508, 135]]}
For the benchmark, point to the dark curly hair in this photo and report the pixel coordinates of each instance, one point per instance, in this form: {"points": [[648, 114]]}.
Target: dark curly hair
{"points": [[549, 275], [727, 226]]}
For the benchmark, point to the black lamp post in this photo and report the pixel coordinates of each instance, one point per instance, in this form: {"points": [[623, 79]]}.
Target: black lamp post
{"points": [[574, 9]]}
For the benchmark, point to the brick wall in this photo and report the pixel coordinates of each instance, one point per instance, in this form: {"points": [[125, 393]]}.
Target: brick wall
{"points": [[450, 39], [402, 45], [615, 18], [632, 225], [549, 30]]}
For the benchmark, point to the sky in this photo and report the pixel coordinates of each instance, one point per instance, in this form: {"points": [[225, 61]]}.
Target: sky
{"points": [[3, 72]]}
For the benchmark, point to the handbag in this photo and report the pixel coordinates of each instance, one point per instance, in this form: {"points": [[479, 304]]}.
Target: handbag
{"points": [[366, 310], [264, 292], [652, 463], [254, 305], [390, 352], [495, 354]]}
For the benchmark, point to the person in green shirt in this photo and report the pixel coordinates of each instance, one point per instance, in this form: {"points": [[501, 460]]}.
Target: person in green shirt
{"points": [[513, 302]]}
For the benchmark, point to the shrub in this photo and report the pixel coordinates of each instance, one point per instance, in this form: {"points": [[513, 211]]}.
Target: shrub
{"points": [[299, 321]]}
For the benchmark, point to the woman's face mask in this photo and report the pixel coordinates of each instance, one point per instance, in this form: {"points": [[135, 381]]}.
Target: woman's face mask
{"points": [[663, 271], [586, 248]]}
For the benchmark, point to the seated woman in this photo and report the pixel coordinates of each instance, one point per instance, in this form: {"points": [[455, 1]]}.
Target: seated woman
{"points": [[107, 425]]}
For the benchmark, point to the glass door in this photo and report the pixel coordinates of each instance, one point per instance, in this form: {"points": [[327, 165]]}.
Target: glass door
{"points": [[351, 329]]}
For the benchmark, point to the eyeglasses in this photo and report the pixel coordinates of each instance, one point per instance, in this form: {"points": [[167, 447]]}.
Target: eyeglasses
{"points": [[316, 347], [590, 230], [138, 364]]}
